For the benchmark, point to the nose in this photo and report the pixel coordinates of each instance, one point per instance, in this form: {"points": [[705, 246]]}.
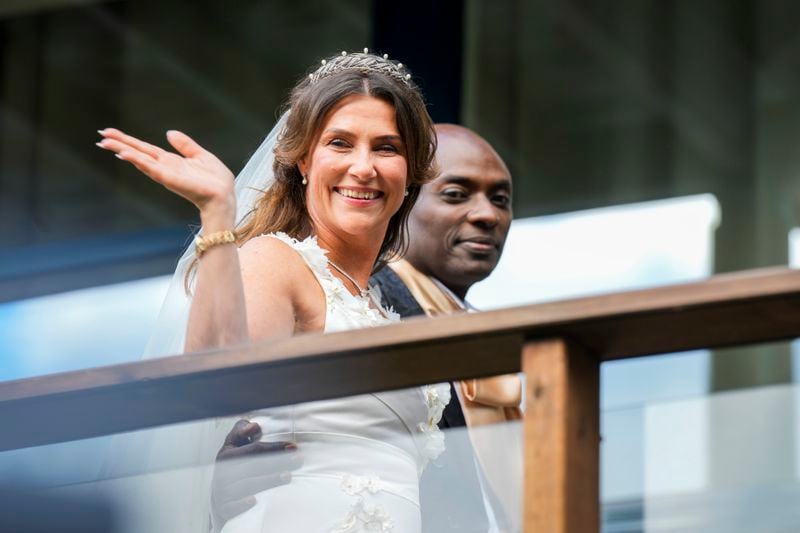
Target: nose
{"points": [[362, 166], [483, 212]]}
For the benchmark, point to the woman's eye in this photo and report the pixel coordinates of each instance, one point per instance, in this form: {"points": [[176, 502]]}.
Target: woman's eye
{"points": [[388, 148], [340, 143]]}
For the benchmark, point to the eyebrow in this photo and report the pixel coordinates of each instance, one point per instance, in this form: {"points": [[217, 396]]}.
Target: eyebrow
{"points": [[384, 138], [505, 184], [395, 138]]}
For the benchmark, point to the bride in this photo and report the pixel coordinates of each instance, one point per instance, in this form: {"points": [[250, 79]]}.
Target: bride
{"points": [[347, 158]]}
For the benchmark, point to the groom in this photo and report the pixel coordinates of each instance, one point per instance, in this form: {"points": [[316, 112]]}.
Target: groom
{"points": [[457, 231]]}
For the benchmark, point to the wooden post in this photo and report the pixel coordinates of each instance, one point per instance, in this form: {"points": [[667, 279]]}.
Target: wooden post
{"points": [[562, 438]]}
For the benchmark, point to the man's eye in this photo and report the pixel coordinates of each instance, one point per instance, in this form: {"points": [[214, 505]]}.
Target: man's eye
{"points": [[501, 199], [454, 194]]}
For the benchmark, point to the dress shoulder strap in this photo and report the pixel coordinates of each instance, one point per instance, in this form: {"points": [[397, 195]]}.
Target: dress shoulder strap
{"points": [[368, 307], [309, 250]]}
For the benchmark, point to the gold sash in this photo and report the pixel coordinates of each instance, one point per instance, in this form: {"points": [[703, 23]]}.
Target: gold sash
{"points": [[484, 401]]}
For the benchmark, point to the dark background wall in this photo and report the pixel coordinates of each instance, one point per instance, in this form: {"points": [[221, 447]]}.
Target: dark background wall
{"points": [[591, 104]]}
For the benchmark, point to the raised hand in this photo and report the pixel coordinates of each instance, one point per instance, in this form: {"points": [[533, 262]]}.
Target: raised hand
{"points": [[193, 173]]}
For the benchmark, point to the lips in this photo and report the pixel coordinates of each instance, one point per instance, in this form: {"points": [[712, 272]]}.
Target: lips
{"points": [[358, 193], [479, 244]]}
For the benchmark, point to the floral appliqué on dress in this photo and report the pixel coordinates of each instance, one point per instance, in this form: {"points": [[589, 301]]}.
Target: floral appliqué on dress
{"points": [[336, 295], [436, 399], [363, 517]]}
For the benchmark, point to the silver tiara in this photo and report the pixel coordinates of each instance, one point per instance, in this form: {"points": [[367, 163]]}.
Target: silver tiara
{"points": [[362, 62]]}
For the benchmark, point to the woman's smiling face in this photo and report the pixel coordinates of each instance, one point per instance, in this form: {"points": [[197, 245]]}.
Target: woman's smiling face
{"points": [[356, 169]]}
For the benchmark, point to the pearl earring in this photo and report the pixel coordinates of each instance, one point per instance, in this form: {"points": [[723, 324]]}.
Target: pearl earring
{"points": [[406, 194], [305, 181]]}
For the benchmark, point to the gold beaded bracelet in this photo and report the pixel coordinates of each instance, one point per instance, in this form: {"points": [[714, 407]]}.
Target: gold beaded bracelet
{"points": [[201, 244]]}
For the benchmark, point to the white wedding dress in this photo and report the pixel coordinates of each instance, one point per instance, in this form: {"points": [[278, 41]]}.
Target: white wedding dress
{"points": [[363, 455]]}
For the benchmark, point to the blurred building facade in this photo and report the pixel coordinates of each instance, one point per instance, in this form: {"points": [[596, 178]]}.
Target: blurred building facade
{"points": [[592, 104]]}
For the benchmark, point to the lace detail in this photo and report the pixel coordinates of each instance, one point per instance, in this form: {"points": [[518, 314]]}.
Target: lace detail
{"points": [[374, 292], [362, 517], [314, 256], [436, 398], [367, 310], [355, 485]]}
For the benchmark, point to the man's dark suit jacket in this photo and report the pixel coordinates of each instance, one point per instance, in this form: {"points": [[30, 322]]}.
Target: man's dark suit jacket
{"points": [[449, 502]]}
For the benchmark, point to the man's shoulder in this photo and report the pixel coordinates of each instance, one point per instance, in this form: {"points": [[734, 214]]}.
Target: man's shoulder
{"points": [[395, 294]]}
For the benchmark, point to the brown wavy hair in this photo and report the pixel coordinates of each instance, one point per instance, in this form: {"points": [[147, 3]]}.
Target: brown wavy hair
{"points": [[283, 206]]}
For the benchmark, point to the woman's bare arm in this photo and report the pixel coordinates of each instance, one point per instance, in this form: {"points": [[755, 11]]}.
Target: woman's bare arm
{"points": [[218, 315], [274, 277]]}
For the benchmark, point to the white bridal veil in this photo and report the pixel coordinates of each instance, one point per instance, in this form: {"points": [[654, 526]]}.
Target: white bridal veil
{"points": [[162, 476]]}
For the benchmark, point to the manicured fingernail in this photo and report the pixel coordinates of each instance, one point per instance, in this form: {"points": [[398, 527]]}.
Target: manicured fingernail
{"points": [[100, 144], [102, 132], [118, 156]]}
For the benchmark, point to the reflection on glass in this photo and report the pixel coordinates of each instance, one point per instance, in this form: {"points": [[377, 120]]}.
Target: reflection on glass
{"points": [[308, 468], [78, 329], [715, 463]]}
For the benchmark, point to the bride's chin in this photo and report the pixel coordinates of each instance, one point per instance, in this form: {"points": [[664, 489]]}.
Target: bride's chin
{"points": [[362, 219], [354, 228], [364, 230]]}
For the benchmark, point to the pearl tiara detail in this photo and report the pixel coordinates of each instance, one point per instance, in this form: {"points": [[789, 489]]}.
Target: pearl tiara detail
{"points": [[363, 62]]}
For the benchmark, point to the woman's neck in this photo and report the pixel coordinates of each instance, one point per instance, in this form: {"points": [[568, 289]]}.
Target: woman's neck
{"points": [[354, 255]]}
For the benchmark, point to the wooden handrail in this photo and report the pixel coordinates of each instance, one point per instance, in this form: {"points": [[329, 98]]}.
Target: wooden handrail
{"points": [[740, 308]]}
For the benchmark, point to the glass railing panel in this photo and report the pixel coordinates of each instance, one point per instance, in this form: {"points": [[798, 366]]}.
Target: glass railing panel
{"points": [[476, 484], [369, 461], [722, 462]]}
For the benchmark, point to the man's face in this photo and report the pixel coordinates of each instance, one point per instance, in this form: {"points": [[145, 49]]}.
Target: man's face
{"points": [[459, 224]]}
